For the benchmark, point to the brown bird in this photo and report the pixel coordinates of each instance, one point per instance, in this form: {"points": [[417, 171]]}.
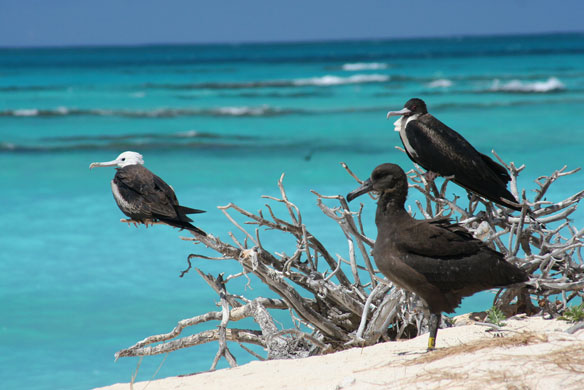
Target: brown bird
{"points": [[438, 261]]}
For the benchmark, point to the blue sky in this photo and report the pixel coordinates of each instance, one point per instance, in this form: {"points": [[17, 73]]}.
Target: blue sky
{"points": [[81, 22]]}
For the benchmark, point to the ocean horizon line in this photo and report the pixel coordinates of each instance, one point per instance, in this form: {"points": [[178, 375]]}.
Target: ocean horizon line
{"points": [[290, 42]]}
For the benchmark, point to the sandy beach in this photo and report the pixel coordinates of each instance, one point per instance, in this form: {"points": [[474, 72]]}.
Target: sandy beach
{"points": [[527, 353]]}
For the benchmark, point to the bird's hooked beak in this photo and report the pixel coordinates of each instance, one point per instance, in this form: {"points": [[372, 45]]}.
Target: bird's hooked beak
{"points": [[366, 187], [112, 163], [403, 111]]}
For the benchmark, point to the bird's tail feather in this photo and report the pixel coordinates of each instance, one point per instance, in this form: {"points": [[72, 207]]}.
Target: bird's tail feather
{"points": [[497, 168], [184, 225], [188, 210], [195, 229], [181, 222]]}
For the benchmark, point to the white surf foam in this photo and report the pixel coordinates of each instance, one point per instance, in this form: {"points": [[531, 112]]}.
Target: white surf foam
{"points": [[188, 134], [364, 66], [336, 80], [26, 112], [440, 83], [244, 110], [62, 110], [552, 84]]}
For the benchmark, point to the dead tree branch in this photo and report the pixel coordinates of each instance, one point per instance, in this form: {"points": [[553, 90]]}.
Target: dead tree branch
{"points": [[338, 299]]}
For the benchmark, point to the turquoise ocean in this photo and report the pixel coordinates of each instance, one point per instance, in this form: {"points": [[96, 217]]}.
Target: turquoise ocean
{"points": [[221, 123]]}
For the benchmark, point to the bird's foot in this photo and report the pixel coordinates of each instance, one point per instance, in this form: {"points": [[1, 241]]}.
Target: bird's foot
{"points": [[430, 176], [431, 344], [146, 222], [130, 221], [433, 324]]}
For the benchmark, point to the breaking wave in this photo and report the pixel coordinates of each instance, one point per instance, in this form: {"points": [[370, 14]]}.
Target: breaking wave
{"points": [[517, 86], [336, 80], [25, 112], [321, 81], [235, 111], [352, 67], [297, 87], [266, 111], [440, 83]]}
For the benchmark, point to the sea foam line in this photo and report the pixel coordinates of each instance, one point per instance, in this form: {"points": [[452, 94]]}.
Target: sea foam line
{"points": [[352, 67], [440, 83], [319, 81], [238, 111], [551, 85], [336, 80]]}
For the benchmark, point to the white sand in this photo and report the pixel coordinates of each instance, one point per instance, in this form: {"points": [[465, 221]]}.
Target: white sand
{"points": [[533, 354]]}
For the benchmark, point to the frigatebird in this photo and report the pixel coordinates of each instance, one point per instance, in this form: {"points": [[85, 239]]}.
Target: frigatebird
{"points": [[442, 151], [439, 261], [145, 197]]}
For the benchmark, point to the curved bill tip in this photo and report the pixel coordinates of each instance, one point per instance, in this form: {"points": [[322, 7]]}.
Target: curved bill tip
{"points": [[366, 187], [103, 164], [403, 111]]}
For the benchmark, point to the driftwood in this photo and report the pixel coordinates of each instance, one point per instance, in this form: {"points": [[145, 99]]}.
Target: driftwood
{"points": [[336, 302]]}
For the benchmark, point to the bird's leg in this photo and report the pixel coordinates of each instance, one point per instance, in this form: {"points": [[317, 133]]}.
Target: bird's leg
{"points": [[130, 221], [430, 176], [433, 324]]}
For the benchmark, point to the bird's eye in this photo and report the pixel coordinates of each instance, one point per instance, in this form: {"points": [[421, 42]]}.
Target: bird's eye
{"points": [[124, 159]]}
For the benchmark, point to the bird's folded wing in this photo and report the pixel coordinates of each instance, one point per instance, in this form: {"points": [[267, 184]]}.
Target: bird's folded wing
{"points": [[157, 195], [437, 241], [444, 151]]}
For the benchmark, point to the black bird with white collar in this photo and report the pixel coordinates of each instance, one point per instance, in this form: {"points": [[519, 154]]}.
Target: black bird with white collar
{"points": [[441, 150]]}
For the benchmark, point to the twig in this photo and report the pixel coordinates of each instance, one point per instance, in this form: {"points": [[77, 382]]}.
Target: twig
{"points": [[223, 350]]}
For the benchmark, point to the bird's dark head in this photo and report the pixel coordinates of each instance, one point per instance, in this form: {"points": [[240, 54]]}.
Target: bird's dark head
{"points": [[413, 106], [386, 179], [416, 106]]}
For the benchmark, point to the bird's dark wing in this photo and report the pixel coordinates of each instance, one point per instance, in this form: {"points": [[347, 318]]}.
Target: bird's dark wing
{"points": [[497, 168], [437, 239], [154, 198], [442, 150], [155, 194], [169, 206], [182, 211], [452, 260]]}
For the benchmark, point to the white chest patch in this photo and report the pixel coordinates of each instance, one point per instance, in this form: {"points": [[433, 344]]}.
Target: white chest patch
{"points": [[400, 126], [397, 125], [118, 197]]}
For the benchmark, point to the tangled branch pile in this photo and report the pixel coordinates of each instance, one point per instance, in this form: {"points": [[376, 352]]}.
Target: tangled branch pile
{"points": [[336, 302]]}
